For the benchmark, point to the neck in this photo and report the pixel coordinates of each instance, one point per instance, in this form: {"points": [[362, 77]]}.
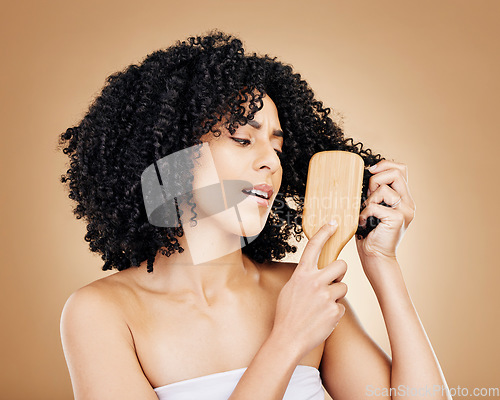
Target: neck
{"points": [[211, 264]]}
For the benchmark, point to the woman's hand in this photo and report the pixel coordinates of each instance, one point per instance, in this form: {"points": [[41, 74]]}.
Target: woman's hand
{"points": [[307, 310], [390, 185]]}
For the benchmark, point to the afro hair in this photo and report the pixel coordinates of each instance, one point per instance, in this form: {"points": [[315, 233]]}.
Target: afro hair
{"points": [[165, 104]]}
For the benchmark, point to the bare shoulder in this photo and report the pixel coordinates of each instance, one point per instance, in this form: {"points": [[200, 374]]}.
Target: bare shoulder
{"points": [[97, 296], [99, 347], [89, 306], [101, 301]]}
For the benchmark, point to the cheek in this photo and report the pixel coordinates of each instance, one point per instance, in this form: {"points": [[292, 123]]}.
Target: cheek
{"points": [[205, 170], [279, 177], [226, 161]]}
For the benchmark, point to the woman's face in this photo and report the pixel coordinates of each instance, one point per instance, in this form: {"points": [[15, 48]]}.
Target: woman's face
{"points": [[250, 155]]}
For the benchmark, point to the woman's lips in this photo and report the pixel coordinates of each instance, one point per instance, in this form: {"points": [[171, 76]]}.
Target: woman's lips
{"points": [[260, 201], [262, 187]]}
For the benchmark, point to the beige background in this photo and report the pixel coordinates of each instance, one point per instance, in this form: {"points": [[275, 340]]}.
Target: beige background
{"points": [[415, 80]]}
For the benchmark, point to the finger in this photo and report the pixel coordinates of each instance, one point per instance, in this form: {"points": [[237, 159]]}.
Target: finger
{"points": [[388, 164], [384, 194], [342, 309], [388, 196], [392, 178], [387, 215], [333, 272], [313, 248], [338, 290]]}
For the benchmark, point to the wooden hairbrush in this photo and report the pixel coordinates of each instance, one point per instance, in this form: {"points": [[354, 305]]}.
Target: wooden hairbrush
{"points": [[333, 191]]}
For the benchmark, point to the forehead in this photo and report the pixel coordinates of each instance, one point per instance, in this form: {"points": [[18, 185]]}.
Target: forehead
{"points": [[268, 113], [276, 132]]}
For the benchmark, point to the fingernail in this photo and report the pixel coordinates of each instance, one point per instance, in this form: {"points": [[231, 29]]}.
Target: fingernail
{"points": [[333, 222], [372, 168]]}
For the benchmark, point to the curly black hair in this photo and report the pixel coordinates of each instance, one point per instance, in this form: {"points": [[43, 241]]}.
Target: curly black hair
{"points": [[165, 104]]}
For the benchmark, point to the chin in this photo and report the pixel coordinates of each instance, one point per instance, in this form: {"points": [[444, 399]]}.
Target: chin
{"points": [[253, 228], [247, 225], [253, 217]]}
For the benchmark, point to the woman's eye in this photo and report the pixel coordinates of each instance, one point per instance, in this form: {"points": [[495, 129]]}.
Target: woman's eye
{"points": [[246, 142], [243, 142]]}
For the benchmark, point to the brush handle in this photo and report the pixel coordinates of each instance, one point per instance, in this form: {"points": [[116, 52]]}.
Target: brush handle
{"points": [[333, 191]]}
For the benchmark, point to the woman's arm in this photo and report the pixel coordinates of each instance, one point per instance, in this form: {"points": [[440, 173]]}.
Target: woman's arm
{"points": [[414, 371], [99, 350], [415, 366], [354, 366], [270, 371], [307, 312]]}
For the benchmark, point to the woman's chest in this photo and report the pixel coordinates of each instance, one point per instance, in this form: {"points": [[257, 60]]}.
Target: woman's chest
{"points": [[179, 340]]}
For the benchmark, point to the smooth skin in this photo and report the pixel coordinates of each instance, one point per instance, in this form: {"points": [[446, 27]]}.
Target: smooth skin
{"points": [[132, 331]]}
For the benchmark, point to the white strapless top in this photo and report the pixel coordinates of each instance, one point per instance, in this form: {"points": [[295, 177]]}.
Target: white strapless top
{"points": [[305, 384]]}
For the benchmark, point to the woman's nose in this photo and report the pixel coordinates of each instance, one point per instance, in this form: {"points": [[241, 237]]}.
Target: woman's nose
{"points": [[267, 158]]}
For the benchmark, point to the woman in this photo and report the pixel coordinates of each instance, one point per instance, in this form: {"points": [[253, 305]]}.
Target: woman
{"points": [[201, 309]]}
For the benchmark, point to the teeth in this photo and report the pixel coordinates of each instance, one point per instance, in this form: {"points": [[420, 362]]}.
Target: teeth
{"points": [[259, 193]]}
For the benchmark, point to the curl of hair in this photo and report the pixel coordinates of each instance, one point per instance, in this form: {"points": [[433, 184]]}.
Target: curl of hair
{"points": [[165, 104]]}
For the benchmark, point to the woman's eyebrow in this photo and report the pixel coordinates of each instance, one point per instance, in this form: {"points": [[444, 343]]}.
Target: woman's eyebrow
{"points": [[255, 124]]}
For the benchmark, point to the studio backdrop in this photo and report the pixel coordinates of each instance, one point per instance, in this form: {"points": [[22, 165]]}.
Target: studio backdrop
{"points": [[416, 81]]}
